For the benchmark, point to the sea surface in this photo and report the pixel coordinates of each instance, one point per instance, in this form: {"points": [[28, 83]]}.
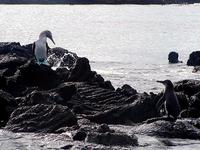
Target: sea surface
{"points": [[126, 44]]}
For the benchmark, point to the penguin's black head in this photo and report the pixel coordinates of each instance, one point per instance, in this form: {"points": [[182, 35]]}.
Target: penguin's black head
{"points": [[167, 83]]}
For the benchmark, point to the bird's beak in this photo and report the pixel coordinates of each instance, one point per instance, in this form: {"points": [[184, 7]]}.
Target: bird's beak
{"points": [[160, 82], [52, 40]]}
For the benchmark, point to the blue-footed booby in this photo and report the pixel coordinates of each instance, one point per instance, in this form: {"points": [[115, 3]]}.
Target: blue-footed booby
{"points": [[172, 105], [40, 47]]}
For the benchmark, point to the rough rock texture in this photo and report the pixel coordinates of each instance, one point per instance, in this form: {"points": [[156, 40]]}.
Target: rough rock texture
{"points": [[112, 139], [178, 129], [7, 105], [140, 109], [70, 96], [40, 118], [127, 90]]}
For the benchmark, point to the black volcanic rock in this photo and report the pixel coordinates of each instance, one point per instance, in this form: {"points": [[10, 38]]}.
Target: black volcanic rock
{"points": [[127, 90], [178, 129], [188, 87], [81, 70], [7, 105], [173, 57], [80, 135], [36, 98], [32, 74], [103, 128], [194, 59], [111, 139], [6, 47], [40, 118], [11, 61], [140, 110]]}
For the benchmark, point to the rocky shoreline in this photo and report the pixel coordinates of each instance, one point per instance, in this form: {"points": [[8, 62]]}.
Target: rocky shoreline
{"points": [[75, 99]]}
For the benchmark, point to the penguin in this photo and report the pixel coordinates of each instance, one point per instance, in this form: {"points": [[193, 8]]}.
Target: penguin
{"points": [[172, 106], [40, 47]]}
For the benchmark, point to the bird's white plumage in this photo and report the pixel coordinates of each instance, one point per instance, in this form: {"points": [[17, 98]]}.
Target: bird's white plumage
{"points": [[40, 50], [40, 47]]}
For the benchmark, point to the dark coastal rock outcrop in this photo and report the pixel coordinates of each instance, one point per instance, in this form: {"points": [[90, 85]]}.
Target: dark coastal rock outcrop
{"points": [[40, 118], [81, 71], [73, 98], [173, 58], [7, 105], [188, 87], [104, 135], [189, 97], [179, 129], [127, 90], [133, 109], [112, 139], [32, 74], [194, 59]]}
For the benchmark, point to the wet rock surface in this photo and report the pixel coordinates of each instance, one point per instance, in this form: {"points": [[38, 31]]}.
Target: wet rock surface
{"points": [[177, 129], [70, 97], [112, 139]]}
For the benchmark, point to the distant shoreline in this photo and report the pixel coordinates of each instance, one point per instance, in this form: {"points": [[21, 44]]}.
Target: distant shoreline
{"points": [[96, 2]]}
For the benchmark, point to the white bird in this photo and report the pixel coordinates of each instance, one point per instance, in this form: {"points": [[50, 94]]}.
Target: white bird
{"points": [[40, 47]]}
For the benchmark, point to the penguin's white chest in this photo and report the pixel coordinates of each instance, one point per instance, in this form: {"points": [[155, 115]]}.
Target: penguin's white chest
{"points": [[40, 50]]}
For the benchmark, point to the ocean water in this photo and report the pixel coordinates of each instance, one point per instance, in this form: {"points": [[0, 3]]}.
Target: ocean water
{"points": [[127, 44]]}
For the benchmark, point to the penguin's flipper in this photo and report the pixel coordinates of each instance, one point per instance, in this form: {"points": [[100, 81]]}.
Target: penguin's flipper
{"points": [[160, 103], [33, 48]]}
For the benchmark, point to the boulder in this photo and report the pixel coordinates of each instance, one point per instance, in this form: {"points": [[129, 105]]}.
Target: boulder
{"points": [[6, 47], [103, 128], [7, 105], [127, 90], [81, 70], [11, 61], [194, 59], [66, 90], [63, 73], [79, 135], [112, 139], [188, 87], [140, 110], [173, 57], [32, 74], [39, 97], [40, 118], [170, 129]]}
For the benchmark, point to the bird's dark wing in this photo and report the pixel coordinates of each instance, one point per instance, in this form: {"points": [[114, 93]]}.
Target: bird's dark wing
{"points": [[33, 48], [160, 102], [47, 48]]}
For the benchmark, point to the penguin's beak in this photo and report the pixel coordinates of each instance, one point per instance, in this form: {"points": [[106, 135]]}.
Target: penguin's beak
{"points": [[52, 40], [160, 82]]}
